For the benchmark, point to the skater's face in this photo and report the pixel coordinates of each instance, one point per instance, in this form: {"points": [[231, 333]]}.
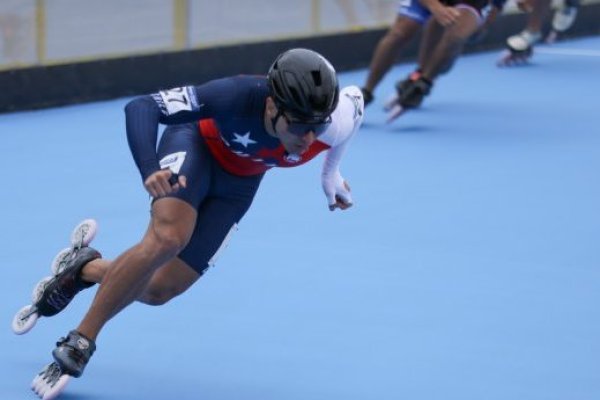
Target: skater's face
{"points": [[295, 136]]}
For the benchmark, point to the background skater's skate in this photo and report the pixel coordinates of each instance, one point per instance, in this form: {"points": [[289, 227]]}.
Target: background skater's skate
{"points": [[409, 95], [519, 48], [563, 19], [52, 294], [71, 356]]}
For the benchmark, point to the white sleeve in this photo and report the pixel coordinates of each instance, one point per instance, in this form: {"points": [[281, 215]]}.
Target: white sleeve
{"points": [[347, 119]]}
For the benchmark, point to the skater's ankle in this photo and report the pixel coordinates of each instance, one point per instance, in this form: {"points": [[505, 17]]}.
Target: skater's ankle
{"points": [[94, 271], [73, 352], [87, 332]]}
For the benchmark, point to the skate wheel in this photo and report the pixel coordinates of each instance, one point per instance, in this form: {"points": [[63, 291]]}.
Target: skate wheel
{"points": [[24, 320], [394, 113], [505, 59], [50, 382], [54, 391], [84, 233], [38, 290], [60, 260], [391, 102], [551, 38]]}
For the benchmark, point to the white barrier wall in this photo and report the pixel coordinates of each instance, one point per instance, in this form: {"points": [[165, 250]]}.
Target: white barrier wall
{"points": [[61, 31], [43, 32], [18, 33]]}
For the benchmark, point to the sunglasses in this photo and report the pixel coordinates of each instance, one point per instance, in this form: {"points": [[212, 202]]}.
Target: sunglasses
{"points": [[301, 128]]}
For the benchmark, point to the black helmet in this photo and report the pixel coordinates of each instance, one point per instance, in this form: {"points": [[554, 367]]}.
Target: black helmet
{"points": [[304, 84]]}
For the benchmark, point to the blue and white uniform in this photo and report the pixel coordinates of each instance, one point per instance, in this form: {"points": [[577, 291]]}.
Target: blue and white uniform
{"points": [[415, 10], [217, 138]]}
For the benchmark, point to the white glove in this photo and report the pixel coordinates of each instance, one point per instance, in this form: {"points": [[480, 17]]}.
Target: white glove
{"points": [[337, 191]]}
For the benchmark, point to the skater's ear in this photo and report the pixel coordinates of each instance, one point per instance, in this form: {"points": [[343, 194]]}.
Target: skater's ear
{"points": [[270, 108]]}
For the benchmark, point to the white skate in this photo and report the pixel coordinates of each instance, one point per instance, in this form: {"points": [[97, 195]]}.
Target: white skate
{"points": [[519, 49], [564, 18]]}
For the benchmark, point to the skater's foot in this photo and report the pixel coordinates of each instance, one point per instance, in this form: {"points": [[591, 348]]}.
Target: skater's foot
{"points": [[59, 292], [52, 294], [367, 96], [73, 353], [414, 91], [409, 95], [402, 86], [519, 48], [71, 356]]}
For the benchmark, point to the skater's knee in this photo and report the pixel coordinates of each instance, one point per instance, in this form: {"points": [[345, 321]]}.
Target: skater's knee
{"points": [[167, 239], [402, 31], [396, 37]]}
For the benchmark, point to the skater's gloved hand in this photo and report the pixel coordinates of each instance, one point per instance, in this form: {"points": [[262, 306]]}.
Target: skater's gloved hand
{"points": [[446, 16], [337, 191], [164, 182]]}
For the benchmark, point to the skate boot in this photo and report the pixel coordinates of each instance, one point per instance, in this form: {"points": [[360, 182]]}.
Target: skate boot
{"points": [[564, 18], [402, 86], [519, 48], [409, 95], [414, 92], [71, 356], [52, 294], [367, 96]]}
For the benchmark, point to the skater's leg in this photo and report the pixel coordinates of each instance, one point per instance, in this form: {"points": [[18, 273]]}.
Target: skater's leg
{"points": [[170, 229], [540, 9], [171, 226], [411, 92], [167, 282], [451, 44], [217, 220], [95, 270], [432, 34], [388, 50]]}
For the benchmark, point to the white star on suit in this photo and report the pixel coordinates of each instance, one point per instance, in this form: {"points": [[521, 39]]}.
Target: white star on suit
{"points": [[244, 140]]}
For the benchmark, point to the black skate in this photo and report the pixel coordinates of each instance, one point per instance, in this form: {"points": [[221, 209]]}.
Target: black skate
{"points": [[367, 96], [52, 294], [71, 356], [519, 49], [409, 95], [403, 86]]}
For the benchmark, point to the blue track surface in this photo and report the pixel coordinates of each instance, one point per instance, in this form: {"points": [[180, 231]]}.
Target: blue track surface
{"points": [[469, 268]]}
